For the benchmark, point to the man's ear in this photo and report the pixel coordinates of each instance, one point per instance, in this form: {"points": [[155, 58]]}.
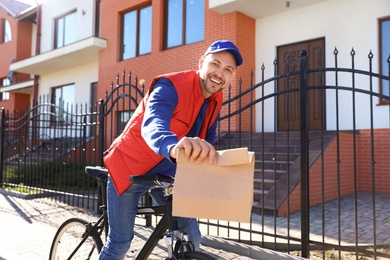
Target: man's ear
{"points": [[200, 62]]}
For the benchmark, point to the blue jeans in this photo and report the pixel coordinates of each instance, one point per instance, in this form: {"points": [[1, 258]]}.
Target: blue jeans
{"points": [[121, 217]]}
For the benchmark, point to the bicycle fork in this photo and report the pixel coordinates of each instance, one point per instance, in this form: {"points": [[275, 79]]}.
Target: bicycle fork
{"points": [[173, 237]]}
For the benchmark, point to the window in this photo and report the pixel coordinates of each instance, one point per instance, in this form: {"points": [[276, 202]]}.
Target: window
{"points": [[65, 30], [136, 33], [185, 22], [5, 95], [122, 118], [63, 98], [6, 82], [7, 35], [384, 31]]}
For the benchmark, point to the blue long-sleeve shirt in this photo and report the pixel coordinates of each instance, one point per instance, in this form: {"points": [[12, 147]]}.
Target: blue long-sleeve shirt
{"points": [[156, 124]]}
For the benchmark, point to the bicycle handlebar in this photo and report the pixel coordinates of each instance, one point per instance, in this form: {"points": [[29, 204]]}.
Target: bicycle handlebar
{"points": [[102, 173], [151, 178]]}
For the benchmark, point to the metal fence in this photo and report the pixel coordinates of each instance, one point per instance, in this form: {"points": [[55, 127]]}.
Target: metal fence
{"points": [[322, 189]]}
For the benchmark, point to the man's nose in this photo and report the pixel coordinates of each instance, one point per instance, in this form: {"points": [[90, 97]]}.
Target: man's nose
{"points": [[218, 73]]}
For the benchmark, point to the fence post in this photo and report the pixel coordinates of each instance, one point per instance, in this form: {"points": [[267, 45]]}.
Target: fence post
{"points": [[304, 155], [2, 125], [101, 132], [100, 150]]}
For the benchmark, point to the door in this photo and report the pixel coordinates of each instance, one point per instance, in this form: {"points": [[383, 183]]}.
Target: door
{"points": [[288, 104]]}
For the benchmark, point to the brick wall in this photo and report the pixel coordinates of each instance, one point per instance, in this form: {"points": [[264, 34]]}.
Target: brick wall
{"points": [[381, 167], [18, 48], [324, 178], [7, 49]]}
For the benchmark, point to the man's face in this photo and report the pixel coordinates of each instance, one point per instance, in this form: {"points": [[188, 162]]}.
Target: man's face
{"points": [[216, 71]]}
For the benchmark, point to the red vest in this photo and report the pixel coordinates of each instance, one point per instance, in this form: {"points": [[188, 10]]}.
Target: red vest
{"points": [[129, 154]]}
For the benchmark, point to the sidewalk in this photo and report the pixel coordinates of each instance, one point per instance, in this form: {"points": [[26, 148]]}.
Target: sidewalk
{"points": [[28, 227]]}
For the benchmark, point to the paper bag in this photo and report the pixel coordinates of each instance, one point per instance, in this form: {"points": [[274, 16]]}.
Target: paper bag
{"points": [[220, 191]]}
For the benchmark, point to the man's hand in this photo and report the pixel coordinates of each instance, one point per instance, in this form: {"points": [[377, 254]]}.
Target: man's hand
{"points": [[195, 149]]}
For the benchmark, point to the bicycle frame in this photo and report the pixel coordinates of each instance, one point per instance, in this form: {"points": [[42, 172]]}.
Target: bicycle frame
{"points": [[89, 229], [166, 223], [163, 225]]}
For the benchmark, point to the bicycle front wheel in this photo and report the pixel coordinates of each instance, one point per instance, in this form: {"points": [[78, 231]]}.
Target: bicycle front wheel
{"points": [[68, 242]]}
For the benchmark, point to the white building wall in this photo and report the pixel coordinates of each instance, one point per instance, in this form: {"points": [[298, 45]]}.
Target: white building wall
{"points": [[345, 24], [52, 9], [82, 76]]}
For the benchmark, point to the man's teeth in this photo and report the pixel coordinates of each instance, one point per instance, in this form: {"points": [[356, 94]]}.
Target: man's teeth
{"points": [[215, 81]]}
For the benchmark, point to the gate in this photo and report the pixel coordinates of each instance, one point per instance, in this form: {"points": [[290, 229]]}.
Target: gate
{"points": [[319, 191], [315, 191]]}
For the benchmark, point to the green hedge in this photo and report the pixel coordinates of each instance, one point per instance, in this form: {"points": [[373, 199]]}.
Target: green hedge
{"points": [[52, 176]]}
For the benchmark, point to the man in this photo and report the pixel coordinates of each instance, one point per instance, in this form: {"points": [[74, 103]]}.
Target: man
{"points": [[179, 111]]}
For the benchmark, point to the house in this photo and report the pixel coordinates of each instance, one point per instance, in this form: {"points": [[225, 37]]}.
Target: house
{"points": [[16, 43], [66, 61], [285, 27]]}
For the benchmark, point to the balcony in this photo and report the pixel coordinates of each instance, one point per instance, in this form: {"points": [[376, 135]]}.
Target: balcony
{"points": [[24, 87], [258, 8], [75, 54]]}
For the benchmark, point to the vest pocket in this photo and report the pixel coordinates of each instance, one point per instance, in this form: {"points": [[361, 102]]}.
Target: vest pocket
{"points": [[180, 126]]}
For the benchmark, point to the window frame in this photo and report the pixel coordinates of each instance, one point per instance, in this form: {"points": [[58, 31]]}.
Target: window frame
{"points": [[138, 25], [61, 105], [381, 56], [183, 23], [56, 28], [4, 25]]}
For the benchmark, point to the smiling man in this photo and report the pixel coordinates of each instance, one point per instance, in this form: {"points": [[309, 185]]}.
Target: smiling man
{"points": [[179, 111]]}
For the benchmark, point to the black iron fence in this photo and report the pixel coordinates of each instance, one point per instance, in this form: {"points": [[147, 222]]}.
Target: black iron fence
{"points": [[318, 186]]}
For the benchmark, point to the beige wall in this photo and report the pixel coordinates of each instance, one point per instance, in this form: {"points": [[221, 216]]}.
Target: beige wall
{"points": [[344, 24], [81, 76]]}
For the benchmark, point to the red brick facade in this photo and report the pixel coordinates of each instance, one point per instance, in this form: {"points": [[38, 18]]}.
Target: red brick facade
{"points": [[234, 26], [18, 48], [331, 184]]}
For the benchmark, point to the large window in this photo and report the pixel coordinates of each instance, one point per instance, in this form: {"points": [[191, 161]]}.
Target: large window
{"points": [[63, 98], [136, 33], [184, 22], [65, 30], [384, 31], [6, 29]]}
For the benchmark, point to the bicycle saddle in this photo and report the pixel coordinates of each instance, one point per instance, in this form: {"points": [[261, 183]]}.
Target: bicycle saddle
{"points": [[96, 171]]}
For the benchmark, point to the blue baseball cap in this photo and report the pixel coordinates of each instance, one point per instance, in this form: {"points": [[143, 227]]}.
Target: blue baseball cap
{"points": [[225, 45]]}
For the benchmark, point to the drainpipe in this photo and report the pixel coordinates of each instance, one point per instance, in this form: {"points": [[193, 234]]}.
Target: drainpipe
{"points": [[37, 52], [36, 77]]}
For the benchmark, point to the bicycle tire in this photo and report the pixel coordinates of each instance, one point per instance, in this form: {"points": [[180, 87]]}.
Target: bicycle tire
{"points": [[68, 237]]}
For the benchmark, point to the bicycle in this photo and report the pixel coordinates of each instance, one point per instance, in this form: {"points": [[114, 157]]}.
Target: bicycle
{"points": [[80, 239]]}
